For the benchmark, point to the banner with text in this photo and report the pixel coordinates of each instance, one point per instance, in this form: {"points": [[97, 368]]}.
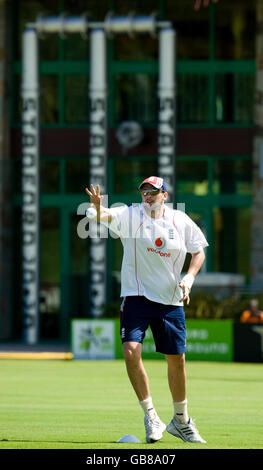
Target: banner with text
{"points": [[207, 340]]}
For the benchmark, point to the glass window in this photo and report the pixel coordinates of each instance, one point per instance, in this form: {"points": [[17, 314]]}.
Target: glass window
{"points": [[49, 99], [78, 279], [49, 47], [136, 98], [76, 99], [192, 29], [234, 100], [192, 177], [49, 177], [116, 268], [201, 222], [193, 99], [77, 176], [129, 173], [50, 250], [75, 47], [244, 217], [235, 25], [49, 273], [231, 252], [79, 249], [244, 90], [232, 176], [141, 47]]}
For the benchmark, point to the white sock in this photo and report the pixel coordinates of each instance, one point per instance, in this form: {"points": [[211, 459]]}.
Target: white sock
{"points": [[180, 411], [148, 408]]}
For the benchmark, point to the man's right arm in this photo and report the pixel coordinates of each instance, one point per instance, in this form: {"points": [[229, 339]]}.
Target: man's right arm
{"points": [[103, 214]]}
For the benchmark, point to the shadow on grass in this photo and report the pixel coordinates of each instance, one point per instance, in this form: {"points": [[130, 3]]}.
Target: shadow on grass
{"points": [[57, 442]]}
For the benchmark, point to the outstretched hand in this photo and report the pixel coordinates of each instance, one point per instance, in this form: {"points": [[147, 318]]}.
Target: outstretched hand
{"points": [[205, 3], [94, 194]]}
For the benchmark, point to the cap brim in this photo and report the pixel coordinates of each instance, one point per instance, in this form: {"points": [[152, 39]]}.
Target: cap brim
{"points": [[142, 184]]}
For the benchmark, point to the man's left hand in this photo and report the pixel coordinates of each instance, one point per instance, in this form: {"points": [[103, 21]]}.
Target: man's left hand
{"points": [[186, 292]]}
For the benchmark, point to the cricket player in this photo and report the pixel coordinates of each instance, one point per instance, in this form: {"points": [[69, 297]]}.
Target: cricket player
{"points": [[155, 241]]}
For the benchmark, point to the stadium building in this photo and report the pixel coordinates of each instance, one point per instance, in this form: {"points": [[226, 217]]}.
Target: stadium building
{"points": [[219, 156]]}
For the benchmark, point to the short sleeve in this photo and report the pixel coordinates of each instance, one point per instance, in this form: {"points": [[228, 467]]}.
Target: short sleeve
{"points": [[194, 237]]}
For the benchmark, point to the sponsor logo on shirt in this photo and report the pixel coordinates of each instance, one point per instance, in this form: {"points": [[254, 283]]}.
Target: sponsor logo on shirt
{"points": [[159, 242], [161, 253]]}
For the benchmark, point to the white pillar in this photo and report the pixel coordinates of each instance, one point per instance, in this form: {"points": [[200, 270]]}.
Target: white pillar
{"points": [[167, 112], [98, 166], [30, 187]]}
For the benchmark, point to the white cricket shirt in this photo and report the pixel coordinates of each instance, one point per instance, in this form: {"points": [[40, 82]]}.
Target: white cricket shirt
{"points": [[154, 251]]}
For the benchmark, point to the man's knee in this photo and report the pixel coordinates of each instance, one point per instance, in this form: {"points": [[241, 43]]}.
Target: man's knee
{"points": [[176, 360], [132, 351]]}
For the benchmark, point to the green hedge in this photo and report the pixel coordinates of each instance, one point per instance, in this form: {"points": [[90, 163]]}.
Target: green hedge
{"points": [[202, 305]]}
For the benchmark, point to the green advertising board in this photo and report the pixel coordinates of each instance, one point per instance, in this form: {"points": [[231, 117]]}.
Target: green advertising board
{"points": [[206, 340], [209, 340]]}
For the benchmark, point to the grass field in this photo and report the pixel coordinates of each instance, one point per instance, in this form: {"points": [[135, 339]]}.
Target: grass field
{"points": [[90, 405]]}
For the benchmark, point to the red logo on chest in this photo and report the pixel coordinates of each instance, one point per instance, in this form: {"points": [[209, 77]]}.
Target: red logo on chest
{"points": [[159, 242]]}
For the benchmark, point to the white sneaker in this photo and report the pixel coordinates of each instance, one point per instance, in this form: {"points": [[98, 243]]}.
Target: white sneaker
{"points": [[154, 428], [187, 432]]}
